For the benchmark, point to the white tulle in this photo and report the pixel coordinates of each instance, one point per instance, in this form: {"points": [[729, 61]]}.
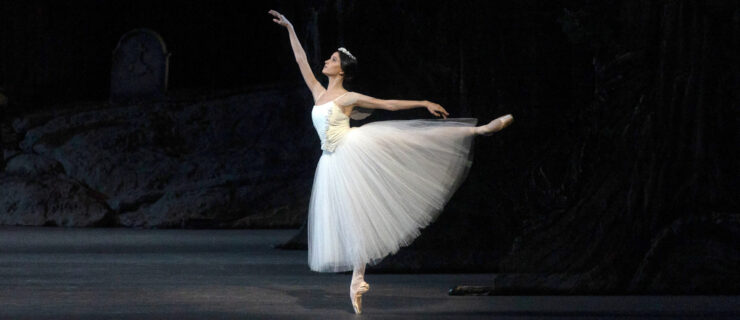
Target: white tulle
{"points": [[376, 186]]}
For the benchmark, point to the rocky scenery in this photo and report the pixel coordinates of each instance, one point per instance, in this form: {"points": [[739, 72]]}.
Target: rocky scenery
{"points": [[230, 162], [620, 174]]}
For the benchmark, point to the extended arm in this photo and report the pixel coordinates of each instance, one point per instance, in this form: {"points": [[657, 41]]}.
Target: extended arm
{"points": [[300, 56], [361, 100]]}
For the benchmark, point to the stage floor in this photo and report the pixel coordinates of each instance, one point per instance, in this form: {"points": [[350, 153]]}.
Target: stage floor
{"points": [[65, 273]]}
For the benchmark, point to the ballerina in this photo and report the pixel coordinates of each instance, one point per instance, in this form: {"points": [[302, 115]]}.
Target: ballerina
{"points": [[376, 185]]}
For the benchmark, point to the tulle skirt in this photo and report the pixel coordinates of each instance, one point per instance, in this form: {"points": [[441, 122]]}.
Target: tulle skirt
{"points": [[384, 182]]}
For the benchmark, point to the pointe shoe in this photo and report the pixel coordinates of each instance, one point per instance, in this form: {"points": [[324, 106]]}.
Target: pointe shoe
{"points": [[495, 125], [356, 296]]}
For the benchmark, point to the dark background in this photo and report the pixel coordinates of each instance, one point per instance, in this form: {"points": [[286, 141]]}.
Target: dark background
{"points": [[619, 174], [55, 52]]}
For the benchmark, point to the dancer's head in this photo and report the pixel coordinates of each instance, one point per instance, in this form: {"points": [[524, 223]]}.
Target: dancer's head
{"points": [[341, 63]]}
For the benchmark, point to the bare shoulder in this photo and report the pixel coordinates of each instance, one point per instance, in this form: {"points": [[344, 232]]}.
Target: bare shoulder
{"points": [[346, 100]]}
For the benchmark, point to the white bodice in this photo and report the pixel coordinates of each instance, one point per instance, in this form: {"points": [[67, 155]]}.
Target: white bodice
{"points": [[331, 124]]}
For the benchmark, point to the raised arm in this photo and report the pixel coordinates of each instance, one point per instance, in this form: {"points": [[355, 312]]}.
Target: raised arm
{"points": [[361, 100], [300, 56]]}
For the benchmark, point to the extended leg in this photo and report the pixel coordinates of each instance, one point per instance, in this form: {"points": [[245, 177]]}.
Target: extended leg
{"points": [[494, 126]]}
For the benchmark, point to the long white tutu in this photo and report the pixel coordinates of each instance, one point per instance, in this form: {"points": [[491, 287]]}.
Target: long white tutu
{"points": [[384, 182]]}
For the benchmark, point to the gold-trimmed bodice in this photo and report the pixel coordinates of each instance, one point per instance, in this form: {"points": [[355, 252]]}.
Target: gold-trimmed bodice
{"points": [[330, 123]]}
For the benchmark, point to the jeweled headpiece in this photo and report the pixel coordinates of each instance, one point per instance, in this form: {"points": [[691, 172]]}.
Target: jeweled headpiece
{"points": [[345, 51]]}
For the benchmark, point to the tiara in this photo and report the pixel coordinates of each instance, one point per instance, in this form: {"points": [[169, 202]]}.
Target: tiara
{"points": [[345, 51]]}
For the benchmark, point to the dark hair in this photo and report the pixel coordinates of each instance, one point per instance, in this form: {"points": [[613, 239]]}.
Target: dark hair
{"points": [[349, 66]]}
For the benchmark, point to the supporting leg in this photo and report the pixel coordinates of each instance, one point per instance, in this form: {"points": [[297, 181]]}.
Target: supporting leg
{"points": [[358, 287], [358, 275]]}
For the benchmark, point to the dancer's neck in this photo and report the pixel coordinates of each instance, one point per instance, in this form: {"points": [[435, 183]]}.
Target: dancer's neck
{"points": [[335, 84]]}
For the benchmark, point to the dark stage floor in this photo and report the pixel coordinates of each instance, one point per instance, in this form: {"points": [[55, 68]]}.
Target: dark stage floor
{"points": [[58, 273]]}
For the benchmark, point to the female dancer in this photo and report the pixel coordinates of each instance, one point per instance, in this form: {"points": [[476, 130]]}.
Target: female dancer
{"points": [[378, 184]]}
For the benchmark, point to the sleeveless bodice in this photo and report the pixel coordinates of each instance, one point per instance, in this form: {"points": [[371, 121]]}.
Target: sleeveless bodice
{"points": [[331, 124]]}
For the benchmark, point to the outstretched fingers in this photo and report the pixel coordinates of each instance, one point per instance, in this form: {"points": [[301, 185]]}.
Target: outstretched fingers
{"points": [[441, 112], [280, 19]]}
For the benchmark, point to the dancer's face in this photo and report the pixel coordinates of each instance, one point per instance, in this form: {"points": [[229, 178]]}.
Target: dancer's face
{"points": [[333, 66]]}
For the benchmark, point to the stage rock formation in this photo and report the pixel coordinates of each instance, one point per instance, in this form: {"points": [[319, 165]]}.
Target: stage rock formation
{"points": [[233, 161]]}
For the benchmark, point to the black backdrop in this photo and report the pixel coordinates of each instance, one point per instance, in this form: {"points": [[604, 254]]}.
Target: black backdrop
{"points": [[621, 167], [54, 52]]}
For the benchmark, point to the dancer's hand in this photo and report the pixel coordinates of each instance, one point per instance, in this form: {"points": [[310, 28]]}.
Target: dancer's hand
{"points": [[280, 19], [436, 109]]}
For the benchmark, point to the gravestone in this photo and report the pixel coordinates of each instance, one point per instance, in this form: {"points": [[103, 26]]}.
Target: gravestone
{"points": [[140, 67]]}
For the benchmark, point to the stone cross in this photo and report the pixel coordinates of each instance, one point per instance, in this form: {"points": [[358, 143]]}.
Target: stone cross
{"points": [[140, 67]]}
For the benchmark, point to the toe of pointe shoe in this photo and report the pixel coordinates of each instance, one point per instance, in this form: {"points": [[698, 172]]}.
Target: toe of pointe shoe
{"points": [[506, 120], [357, 304]]}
